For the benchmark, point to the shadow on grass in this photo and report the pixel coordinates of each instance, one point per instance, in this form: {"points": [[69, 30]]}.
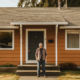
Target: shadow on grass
{"points": [[70, 72]]}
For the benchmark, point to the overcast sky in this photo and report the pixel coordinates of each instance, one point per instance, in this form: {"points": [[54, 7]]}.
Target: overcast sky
{"points": [[9, 3]]}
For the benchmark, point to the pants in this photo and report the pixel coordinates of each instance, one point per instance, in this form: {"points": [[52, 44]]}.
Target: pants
{"points": [[43, 67]]}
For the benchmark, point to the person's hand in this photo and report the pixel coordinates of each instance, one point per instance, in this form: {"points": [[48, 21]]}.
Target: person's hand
{"points": [[36, 58]]}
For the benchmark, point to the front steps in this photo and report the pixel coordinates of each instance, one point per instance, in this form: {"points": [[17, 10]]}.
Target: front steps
{"points": [[31, 70]]}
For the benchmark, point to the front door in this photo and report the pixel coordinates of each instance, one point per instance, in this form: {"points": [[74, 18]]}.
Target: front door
{"points": [[34, 38]]}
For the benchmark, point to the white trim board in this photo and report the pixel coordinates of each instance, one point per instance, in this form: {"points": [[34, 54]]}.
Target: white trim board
{"points": [[26, 36], [39, 23], [12, 39], [72, 32], [9, 27], [69, 27]]}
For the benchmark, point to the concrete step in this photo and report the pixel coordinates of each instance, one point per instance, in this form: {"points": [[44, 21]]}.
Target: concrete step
{"points": [[34, 72], [34, 67]]}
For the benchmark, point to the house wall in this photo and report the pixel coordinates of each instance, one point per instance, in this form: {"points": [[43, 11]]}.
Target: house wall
{"points": [[66, 55], [13, 56], [50, 30]]}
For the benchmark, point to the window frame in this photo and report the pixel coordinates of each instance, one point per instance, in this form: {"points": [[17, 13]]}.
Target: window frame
{"points": [[72, 32], [12, 39]]}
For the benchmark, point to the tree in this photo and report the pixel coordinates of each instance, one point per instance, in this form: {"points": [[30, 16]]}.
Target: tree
{"points": [[27, 3], [48, 3], [34, 2], [41, 3], [73, 3], [20, 4]]}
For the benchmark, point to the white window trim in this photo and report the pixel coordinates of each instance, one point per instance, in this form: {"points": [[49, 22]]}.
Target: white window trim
{"points": [[12, 39], [33, 61], [71, 31]]}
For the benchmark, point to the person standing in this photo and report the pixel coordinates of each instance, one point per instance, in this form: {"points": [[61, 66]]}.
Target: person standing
{"points": [[41, 56]]}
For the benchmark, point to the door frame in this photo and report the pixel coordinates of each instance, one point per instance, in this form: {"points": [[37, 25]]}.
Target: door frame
{"points": [[26, 47]]}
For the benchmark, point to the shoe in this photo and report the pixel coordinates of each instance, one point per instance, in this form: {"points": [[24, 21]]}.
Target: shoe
{"points": [[38, 76], [44, 76]]}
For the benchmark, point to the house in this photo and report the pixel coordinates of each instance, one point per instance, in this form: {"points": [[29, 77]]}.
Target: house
{"points": [[22, 29]]}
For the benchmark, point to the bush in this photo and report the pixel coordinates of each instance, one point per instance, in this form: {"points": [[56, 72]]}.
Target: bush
{"points": [[68, 66], [8, 65]]}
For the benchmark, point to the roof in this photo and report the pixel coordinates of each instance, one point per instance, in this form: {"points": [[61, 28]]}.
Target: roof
{"points": [[71, 15]]}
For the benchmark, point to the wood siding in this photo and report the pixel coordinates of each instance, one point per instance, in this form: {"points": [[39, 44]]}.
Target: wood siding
{"points": [[66, 55], [50, 30], [13, 56]]}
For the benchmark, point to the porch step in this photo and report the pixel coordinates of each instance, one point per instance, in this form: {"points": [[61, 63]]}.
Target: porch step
{"points": [[34, 67], [34, 72], [31, 70]]}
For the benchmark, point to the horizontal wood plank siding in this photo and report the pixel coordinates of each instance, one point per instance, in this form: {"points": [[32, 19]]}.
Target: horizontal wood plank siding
{"points": [[66, 55], [50, 30], [13, 56]]}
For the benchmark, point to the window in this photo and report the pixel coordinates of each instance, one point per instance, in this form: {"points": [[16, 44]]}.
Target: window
{"points": [[6, 39], [72, 40]]}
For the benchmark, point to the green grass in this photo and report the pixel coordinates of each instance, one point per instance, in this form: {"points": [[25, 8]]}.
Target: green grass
{"points": [[8, 65], [69, 75]]}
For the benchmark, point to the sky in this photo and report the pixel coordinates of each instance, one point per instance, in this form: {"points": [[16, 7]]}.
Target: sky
{"points": [[9, 3]]}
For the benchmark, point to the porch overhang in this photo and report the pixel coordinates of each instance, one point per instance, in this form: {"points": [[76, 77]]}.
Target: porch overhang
{"points": [[69, 27], [39, 23]]}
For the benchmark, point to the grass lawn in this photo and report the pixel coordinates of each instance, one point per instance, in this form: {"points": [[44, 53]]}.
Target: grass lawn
{"points": [[69, 75], [8, 76]]}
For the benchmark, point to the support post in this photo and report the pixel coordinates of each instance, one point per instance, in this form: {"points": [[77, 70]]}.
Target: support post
{"points": [[20, 44], [59, 4], [56, 34]]}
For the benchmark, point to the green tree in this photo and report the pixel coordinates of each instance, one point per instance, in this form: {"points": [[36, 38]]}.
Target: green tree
{"points": [[73, 3], [26, 3], [41, 3], [48, 3], [20, 4], [34, 2]]}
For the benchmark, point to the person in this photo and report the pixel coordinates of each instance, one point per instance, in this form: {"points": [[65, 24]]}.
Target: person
{"points": [[41, 56]]}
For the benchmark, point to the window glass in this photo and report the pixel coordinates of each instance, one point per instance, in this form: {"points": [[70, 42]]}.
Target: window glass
{"points": [[5, 39], [72, 40]]}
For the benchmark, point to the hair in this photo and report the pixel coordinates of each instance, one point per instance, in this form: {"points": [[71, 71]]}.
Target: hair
{"points": [[40, 44]]}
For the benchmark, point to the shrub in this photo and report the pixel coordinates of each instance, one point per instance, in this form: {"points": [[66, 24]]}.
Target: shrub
{"points": [[68, 66], [8, 65]]}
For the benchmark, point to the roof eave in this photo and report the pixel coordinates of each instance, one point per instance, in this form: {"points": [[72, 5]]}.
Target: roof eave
{"points": [[39, 23]]}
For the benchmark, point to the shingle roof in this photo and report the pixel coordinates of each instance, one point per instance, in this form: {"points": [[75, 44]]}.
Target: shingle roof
{"points": [[71, 15]]}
